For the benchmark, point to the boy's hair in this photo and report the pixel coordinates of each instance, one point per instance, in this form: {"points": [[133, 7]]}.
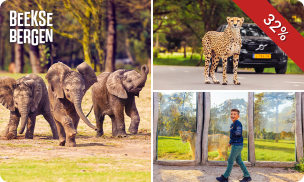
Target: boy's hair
{"points": [[236, 110]]}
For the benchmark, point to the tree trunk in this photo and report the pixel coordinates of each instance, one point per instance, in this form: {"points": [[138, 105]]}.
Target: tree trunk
{"points": [[19, 60], [2, 42], [98, 42], [200, 61], [111, 38], [185, 52], [34, 59], [86, 39], [157, 42], [127, 46]]}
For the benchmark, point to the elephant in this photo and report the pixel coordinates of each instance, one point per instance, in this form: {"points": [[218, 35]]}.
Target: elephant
{"points": [[115, 92], [26, 98], [66, 90]]}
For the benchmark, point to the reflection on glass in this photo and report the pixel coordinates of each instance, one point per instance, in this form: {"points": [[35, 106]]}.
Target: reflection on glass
{"points": [[274, 126], [176, 126], [219, 126]]}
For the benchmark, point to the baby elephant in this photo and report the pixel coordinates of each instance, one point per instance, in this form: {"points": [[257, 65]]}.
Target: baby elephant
{"points": [[114, 93], [66, 90], [26, 98]]}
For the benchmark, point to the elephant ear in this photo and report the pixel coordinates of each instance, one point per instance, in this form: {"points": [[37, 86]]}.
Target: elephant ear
{"points": [[55, 76], [114, 84], [7, 86], [88, 73], [37, 92]]}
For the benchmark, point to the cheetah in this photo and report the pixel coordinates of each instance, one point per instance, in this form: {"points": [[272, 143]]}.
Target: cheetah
{"points": [[223, 45]]}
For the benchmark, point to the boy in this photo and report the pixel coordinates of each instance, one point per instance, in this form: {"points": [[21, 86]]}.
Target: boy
{"points": [[236, 140]]}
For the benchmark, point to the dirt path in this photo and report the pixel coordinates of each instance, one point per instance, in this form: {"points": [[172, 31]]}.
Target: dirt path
{"points": [[209, 173]]}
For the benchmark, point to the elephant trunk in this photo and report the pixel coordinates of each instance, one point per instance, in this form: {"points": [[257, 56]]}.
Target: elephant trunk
{"points": [[77, 103], [142, 80], [24, 119]]}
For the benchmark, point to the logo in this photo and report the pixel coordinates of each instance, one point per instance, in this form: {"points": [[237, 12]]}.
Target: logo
{"points": [[261, 47], [1, 1]]}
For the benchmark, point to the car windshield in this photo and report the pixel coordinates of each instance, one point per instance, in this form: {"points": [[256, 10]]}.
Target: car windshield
{"points": [[250, 30]]}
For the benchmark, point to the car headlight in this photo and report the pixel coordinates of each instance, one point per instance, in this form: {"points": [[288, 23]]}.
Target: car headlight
{"points": [[244, 51]]}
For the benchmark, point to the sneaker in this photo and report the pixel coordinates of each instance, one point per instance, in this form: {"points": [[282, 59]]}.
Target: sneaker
{"points": [[222, 178], [245, 179]]}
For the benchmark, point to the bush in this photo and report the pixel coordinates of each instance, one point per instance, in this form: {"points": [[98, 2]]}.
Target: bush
{"points": [[155, 53], [300, 167]]}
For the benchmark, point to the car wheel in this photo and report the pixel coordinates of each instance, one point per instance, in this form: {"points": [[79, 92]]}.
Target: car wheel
{"points": [[259, 70], [281, 70]]}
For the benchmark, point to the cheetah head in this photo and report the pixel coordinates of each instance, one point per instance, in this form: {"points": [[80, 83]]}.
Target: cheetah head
{"points": [[235, 22]]}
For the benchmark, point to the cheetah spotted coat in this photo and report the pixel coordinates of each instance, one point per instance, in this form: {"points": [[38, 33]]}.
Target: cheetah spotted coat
{"points": [[223, 45]]}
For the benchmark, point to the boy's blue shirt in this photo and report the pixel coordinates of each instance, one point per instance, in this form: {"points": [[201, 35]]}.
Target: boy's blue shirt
{"points": [[236, 133]]}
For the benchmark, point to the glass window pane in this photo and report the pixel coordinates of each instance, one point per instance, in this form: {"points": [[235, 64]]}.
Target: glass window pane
{"points": [[274, 126], [176, 126], [220, 121]]}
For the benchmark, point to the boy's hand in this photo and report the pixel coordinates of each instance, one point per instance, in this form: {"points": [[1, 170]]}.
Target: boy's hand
{"points": [[229, 144]]}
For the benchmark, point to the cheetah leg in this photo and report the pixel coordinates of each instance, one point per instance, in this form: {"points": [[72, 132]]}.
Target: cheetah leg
{"points": [[215, 61], [225, 82], [235, 67], [207, 60]]}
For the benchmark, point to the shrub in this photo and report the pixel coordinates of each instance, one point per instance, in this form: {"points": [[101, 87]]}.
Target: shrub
{"points": [[300, 167]]}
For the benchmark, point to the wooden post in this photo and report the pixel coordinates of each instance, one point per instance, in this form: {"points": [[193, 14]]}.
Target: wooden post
{"points": [[155, 120], [199, 128], [302, 94], [207, 102], [299, 136], [251, 149]]}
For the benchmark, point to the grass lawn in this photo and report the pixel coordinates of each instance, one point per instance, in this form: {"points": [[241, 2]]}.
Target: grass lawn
{"points": [[269, 150], [81, 169], [172, 148], [177, 59]]}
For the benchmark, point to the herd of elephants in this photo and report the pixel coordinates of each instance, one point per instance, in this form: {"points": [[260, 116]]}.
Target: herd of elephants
{"points": [[60, 102]]}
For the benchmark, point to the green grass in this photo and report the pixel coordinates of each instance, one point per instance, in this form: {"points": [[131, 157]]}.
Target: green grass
{"points": [[60, 169], [269, 150], [177, 59], [172, 148]]}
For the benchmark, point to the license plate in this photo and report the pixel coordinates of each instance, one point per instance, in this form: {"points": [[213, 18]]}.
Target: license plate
{"points": [[261, 56]]}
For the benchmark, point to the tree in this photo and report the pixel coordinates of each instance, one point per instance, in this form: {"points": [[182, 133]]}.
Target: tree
{"points": [[111, 38], [274, 100]]}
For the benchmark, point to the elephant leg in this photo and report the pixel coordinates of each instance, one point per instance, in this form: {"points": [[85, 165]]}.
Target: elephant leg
{"points": [[99, 121], [118, 124], [61, 133], [74, 117], [49, 118], [29, 134], [68, 126], [13, 125], [132, 112]]}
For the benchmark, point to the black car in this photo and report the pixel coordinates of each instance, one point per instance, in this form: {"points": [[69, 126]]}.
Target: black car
{"points": [[258, 51]]}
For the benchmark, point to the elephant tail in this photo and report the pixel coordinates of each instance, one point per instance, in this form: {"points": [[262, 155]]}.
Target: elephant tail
{"points": [[90, 111]]}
